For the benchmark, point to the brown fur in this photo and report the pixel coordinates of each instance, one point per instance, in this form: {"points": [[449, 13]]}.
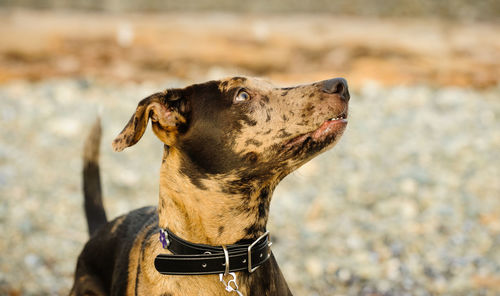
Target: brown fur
{"points": [[222, 161]]}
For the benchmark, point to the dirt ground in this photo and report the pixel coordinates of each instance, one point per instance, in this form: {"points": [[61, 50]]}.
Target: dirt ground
{"points": [[291, 48]]}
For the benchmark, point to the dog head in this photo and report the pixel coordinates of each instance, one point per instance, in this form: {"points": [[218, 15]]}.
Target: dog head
{"points": [[243, 127]]}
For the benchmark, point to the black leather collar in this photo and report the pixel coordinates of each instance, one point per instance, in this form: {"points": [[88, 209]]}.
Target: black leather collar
{"points": [[195, 259]]}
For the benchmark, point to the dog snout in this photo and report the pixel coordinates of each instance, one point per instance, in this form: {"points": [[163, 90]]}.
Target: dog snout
{"points": [[336, 86]]}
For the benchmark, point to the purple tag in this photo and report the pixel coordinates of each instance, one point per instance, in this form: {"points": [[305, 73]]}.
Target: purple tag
{"points": [[163, 239]]}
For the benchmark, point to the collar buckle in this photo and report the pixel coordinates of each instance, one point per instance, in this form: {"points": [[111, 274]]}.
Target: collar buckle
{"points": [[250, 269]]}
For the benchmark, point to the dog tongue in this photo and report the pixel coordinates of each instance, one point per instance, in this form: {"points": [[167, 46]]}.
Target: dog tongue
{"points": [[323, 129], [326, 128]]}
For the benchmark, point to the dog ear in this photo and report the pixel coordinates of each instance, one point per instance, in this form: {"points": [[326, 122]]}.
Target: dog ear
{"points": [[164, 119]]}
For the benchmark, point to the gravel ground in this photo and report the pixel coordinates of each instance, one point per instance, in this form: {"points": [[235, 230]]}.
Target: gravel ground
{"points": [[406, 204]]}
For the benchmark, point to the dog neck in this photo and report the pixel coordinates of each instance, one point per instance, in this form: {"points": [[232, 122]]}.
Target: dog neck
{"points": [[205, 212]]}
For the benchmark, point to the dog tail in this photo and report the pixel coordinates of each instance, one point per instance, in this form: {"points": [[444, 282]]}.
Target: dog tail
{"points": [[94, 209]]}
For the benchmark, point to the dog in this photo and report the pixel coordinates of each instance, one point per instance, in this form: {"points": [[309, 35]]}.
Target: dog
{"points": [[227, 144]]}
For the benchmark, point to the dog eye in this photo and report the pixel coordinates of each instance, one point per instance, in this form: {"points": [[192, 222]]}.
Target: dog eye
{"points": [[242, 96]]}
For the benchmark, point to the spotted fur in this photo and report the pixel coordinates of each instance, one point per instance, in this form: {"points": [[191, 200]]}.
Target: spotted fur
{"points": [[225, 151]]}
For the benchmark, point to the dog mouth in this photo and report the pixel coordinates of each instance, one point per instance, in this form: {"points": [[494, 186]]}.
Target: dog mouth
{"points": [[325, 133]]}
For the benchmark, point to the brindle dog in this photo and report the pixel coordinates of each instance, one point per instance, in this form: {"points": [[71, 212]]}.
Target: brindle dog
{"points": [[227, 144]]}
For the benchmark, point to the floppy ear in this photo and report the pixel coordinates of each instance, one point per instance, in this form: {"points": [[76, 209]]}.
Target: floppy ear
{"points": [[164, 118]]}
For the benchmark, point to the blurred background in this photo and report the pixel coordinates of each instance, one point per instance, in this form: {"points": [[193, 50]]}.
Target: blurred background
{"points": [[408, 203]]}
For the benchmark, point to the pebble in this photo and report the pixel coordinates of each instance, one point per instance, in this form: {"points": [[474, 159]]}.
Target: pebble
{"points": [[314, 267], [344, 275], [32, 260]]}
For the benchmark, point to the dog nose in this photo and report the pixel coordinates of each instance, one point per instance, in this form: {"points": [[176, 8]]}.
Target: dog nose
{"points": [[337, 86]]}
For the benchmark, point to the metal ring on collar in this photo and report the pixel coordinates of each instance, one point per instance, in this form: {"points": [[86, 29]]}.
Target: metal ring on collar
{"points": [[226, 255]]}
